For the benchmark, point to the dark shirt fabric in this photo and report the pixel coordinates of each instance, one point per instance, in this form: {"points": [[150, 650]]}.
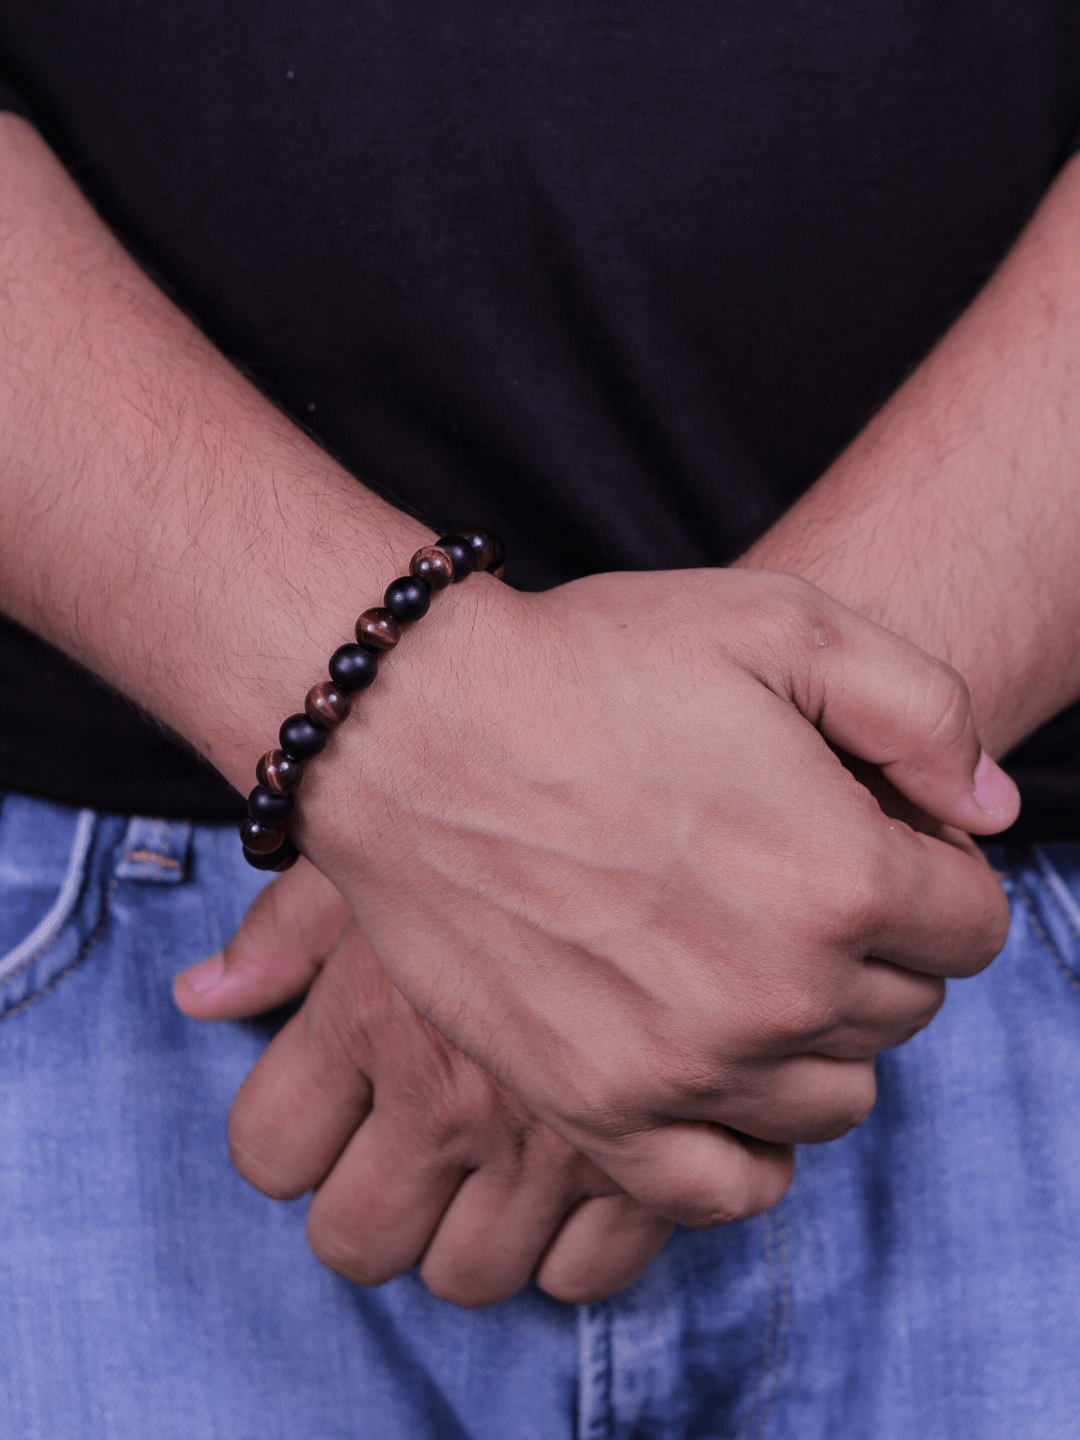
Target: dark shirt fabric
{"points": [[617, 280]]}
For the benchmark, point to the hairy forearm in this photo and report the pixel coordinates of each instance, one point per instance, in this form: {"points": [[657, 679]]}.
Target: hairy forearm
{"points": [[954, 518], [163, 523]]}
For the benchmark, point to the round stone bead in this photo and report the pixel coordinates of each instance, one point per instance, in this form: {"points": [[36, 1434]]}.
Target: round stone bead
{"points": [[433, 566], [353, 668], [497, 562], [263, 839], [326, 704], [300, 739], [282, 859], [269, 807], [407, 599], [461, 553], [278, 771], [482, 544], [377, 630]]}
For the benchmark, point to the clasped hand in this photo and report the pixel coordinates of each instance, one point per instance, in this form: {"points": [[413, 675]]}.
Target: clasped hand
{"points": [[601, 840]]}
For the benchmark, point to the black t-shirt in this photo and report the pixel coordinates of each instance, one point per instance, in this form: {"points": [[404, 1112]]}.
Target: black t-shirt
{"points": [[617, 280]]}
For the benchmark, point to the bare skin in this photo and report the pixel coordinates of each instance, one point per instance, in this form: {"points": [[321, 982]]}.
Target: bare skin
{"points": [[430, 1159], [953, 519], [595, 837]]}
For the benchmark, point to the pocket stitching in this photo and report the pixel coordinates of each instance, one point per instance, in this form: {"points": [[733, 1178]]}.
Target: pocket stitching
{"points": [[1041, 934], [67, 970], [73, 883]]}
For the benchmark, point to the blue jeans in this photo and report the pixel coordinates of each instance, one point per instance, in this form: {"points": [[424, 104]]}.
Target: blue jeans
{"points": [[921, 1278]]}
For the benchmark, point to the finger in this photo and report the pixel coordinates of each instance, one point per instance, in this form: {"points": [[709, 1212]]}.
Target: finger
{"points": [[878, 1007], [603, 1246], [885, 1007], [929, 906], [378, 1208], [274, 956], [801, 1100], [501, 1220], [695, 1174], [296, 1110], [887, 701]]}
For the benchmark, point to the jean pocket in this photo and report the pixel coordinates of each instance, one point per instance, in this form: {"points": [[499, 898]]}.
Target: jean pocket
{"points": [[49, 911]]}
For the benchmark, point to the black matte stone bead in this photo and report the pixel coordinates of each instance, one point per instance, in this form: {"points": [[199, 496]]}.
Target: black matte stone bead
{"points": [[269, 807], [407, 598], [483, 549], [282, 859], [353, 668], [461, 552], [300, 739], [263, 839]]}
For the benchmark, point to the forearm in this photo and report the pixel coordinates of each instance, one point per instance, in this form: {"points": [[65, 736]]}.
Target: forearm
{"points": [[163, 523], [954, 518]]}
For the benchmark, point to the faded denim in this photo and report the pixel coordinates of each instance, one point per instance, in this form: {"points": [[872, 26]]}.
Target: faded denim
{"points": [[921, 1278]]}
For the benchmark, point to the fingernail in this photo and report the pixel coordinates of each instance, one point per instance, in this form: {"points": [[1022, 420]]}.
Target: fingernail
{"points": [[206, 974], [993, 790]]}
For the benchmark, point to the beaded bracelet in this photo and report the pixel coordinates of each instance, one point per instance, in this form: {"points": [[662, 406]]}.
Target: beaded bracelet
{"points": [[263, 833]]}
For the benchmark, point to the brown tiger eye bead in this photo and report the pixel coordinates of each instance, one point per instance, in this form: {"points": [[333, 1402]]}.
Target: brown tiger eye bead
{"points": [[377, 630], [277, 772], [263, 839], [482, 544], [433, 566], [326, 704]]}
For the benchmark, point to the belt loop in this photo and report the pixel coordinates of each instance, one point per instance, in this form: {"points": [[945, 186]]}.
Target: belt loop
{"points": [[154, 851]]}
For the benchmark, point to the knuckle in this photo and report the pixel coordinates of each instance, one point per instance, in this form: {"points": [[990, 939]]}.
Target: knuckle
{"points": [[947, 708], [805, 615], [991, 932], [708, 1209], [598, 1106], [462, 1284], [262, 1163], [453, 1108], [344, 1251], [855, 899], [847, 1113], [802, 1014]]}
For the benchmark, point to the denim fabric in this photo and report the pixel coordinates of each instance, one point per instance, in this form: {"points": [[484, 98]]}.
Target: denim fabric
{"points": [[921, 1278]]}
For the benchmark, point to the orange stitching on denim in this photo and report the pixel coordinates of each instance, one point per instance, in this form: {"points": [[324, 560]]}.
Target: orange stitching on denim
{"points": [[151, 857], [56, 980]]}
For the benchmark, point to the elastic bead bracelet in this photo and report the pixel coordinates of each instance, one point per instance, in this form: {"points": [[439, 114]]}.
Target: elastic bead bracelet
{"points": [[263, 832]]}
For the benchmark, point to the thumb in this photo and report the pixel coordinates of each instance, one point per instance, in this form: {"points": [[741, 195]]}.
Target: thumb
{"points": [[274, 956], [886, 701]]}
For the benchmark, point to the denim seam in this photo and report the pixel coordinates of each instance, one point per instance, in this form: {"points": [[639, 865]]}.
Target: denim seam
{"points": [[784, 1324], [602, 1412], [1041, 934], [67, 970], [55, 922], [1054, 880], [774, 1346]]}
